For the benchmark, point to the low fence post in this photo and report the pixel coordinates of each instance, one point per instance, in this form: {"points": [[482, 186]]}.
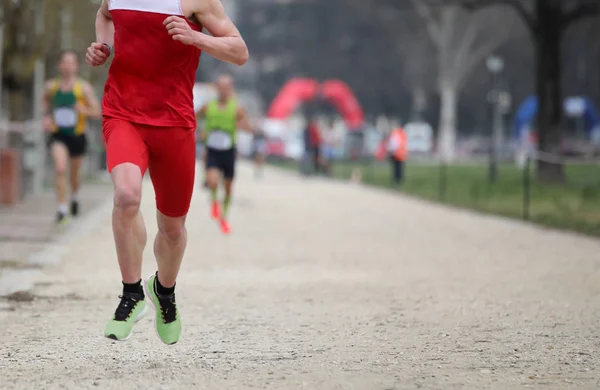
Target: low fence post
{"points": [[347, 175], [10, 176], [526, 188], [347, 168], [366, 168], [39, 149], [443, 181]]}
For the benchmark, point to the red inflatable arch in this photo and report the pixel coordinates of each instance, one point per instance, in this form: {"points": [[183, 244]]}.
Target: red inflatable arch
{"points": [[337, 93], [341, 96], [293, 93]]}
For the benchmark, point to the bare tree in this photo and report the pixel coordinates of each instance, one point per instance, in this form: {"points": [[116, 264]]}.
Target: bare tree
{"points": [[382, 49], [415, 76], [38, 29], [21, 47], [412, 45], [462, 43], [547, 20]]}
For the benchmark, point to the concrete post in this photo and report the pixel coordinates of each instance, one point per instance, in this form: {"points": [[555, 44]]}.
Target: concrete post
{"points": [[38, 135]]}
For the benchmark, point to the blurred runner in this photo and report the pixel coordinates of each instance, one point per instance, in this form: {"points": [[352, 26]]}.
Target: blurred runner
{"points": [[314, 143], [68, 102], [259, 151], [223, 117], [329, 144], [149, 124]]}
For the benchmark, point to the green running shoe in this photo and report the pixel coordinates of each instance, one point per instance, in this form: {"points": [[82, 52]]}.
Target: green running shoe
{"points": [[131, 309], [62, 219], [166, 320]]}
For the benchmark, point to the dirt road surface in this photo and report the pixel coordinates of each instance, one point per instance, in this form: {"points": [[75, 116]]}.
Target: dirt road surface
{"points": [[322, 285]]}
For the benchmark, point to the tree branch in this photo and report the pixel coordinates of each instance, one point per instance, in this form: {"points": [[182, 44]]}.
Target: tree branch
{"points": [[433, 26], [583, 10], [480, 53], [448, 24], [467, 41], [517, 5]]}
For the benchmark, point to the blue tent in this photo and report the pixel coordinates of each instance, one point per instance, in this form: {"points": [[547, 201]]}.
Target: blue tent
{"points": [[527, 112], [591, 115]]}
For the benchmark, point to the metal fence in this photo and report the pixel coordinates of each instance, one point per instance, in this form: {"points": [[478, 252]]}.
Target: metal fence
{"points": [[573, 203], [29, 142], [26, 140], [513, 189]]}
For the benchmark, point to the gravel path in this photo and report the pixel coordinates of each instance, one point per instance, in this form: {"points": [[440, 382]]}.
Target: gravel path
{"points": [[323, 285]]}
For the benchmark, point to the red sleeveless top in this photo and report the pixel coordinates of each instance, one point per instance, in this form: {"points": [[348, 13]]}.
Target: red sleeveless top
{"points": [[151, 78]]}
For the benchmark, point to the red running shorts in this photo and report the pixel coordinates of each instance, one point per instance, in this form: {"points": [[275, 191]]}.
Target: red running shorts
{"points": [[168, 153]]}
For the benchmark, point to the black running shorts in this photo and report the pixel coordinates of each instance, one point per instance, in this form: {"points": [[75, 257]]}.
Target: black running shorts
{"points": [[223, 160], [76, 144]]}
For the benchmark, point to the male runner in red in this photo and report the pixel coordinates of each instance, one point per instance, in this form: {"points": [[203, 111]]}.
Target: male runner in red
{"points": [[149, 123]]}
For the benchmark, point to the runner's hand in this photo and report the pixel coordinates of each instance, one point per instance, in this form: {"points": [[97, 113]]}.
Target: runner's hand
{"points": [[180, 30], [82, 109], [48, 124], [97, 54]]}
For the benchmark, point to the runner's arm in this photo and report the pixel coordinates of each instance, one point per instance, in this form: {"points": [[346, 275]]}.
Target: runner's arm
{"points": [[47, 121], [99, 52], [92, 109], [225, 41], [46, 106], [105, 29], [242, 121], [201, 114]]}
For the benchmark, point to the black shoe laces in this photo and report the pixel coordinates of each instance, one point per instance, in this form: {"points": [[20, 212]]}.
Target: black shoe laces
{"points": [[168, 308], [126, 306]]}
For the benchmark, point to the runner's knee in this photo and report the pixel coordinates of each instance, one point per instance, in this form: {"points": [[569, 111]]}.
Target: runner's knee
{"points": [[171, 228], [60, 169], [212, 179], [60, 164], [127, 198], [74, 173], [127, 183], [228, 186]]}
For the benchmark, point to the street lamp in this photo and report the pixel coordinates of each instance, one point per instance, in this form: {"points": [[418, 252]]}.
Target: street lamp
{"points": [[495, 65]]}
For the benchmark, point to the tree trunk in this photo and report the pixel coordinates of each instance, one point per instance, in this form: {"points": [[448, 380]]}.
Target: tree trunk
{"points": [[548, 42], [447, 129], [418, 104], [17, 79]]}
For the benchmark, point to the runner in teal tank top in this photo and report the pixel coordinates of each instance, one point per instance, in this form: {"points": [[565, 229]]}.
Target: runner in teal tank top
{"points": [[222, 117]]}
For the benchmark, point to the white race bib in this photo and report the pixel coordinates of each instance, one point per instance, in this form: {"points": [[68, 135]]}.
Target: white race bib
{"points": [[65, 117], [219, 140]]}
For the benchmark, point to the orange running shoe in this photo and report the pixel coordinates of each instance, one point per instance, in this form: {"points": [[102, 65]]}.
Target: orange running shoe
{"points": [[216, 210], [225, 228]]}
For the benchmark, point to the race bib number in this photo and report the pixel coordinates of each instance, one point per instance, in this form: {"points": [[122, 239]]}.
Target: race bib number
{"points": [[219, 140], [65, 117]]}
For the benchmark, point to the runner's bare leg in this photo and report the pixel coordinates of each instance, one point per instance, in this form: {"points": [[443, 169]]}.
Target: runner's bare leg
{"points": [[128, 225], [60, 156], [169, 247]]}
